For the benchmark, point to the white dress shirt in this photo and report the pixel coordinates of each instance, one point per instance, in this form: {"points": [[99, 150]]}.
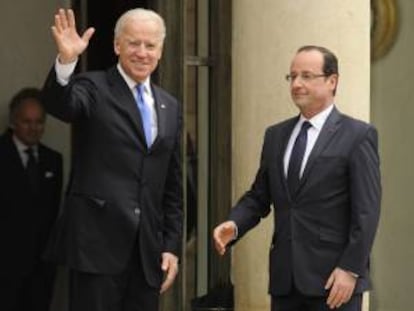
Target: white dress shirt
{"points": [[21, 149], [317, 123], [148, 99], [64, 71]]}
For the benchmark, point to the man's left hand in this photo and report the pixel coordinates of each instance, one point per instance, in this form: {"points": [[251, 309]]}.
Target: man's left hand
{"points": [[341, 284], [170, 267]]}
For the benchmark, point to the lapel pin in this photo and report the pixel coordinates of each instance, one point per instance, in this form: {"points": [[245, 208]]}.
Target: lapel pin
{"points": [[162, 106], [49, 174]]}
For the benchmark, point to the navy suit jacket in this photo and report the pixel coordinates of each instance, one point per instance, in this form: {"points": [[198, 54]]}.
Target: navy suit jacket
{"points": [[119, 189], [332, 218], [26, 220]]}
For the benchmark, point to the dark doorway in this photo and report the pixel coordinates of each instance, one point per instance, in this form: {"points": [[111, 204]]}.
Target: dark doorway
{"points": [[102, 15]]}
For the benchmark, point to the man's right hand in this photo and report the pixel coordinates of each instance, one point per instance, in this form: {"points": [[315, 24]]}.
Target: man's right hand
{"points": [[223, 234], [69, 44]]}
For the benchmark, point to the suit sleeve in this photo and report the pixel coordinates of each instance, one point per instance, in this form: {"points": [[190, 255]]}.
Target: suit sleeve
{"points": [[365, 193], [255, 203], [69, 102]]}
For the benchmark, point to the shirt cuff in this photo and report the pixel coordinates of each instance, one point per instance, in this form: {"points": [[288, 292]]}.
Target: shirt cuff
{"points": [[64, 71], [353, 274], [236, 232]]}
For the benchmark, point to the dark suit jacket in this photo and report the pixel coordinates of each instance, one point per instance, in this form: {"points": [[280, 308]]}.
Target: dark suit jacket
{"points": [[25, 220], [118, 188], [332, 219]]}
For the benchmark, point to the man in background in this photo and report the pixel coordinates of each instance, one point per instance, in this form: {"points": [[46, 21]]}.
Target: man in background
{"points": [[30, 189]]}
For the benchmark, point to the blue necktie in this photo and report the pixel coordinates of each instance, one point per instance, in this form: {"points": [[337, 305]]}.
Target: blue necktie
{"points": [[296, 158], [145, 111]]}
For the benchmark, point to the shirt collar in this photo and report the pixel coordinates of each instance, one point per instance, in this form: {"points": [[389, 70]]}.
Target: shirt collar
{"points": [[319, 119], [21, 147], [131, 83]]}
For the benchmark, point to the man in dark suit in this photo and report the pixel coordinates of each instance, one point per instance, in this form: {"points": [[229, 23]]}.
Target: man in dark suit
{"points": [[320, 171], [121, 227], [30, 188]]}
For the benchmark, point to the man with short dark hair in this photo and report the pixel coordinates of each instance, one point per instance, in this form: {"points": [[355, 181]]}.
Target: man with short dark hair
{"points": [[320, 171], [30, 189]]}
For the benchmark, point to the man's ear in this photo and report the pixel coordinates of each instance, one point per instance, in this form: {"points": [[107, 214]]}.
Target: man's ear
{"points": [[11, 123], [116, 47], [334, 80]]}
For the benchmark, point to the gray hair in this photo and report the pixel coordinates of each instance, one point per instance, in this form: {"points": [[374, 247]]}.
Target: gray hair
{"points": [[142, 15]]}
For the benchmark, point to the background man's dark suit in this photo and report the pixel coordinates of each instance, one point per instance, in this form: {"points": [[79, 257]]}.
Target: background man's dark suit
{"points": [[26, 221], [117, 186], [315, 230]]}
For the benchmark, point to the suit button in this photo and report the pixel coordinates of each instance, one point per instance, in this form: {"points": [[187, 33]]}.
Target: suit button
{"points": [[137, 211]]}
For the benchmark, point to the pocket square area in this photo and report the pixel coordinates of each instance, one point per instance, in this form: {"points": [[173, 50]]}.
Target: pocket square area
{"points": [[49, 174]]}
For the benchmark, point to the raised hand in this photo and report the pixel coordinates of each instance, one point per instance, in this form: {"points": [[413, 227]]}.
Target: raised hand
{"points": [[223, 234], [69, 43]]}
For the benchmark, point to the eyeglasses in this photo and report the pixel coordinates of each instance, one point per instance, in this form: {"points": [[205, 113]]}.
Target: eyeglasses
{"points": [[304, 76]]}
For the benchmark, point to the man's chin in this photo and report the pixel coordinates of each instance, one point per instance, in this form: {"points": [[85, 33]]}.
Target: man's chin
{"points": [[140, 76], [300, 103], [31, 141]]}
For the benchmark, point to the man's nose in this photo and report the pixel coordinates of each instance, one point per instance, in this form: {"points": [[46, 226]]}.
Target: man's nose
{"points": [[296, 82], [141, 50]]}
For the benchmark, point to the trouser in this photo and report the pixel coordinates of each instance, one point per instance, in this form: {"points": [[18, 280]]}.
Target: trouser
{"points": [[127, 291], [28, 292], [296, 301]]}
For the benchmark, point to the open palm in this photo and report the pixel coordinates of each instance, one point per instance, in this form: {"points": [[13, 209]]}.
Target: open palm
{"points": [[69, 43]]}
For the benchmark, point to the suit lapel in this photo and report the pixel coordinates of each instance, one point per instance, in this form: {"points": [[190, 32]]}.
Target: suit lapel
{"points": [[12, 156], [328, 130], [126, 101], [161, 110], [44, 170]]}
